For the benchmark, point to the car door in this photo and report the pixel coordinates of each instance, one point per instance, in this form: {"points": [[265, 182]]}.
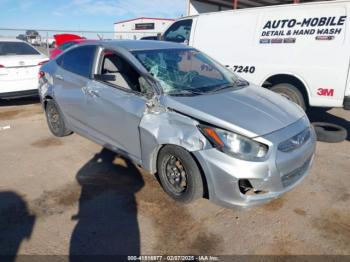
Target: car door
{"points": [[116, 107], [71, 80]]}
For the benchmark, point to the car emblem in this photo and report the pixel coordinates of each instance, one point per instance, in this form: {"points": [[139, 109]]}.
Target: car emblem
{"points": [[21, 63], [300, 139]]}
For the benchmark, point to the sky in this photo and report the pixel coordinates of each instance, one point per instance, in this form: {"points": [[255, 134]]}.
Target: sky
{"points": [[96, 15]]}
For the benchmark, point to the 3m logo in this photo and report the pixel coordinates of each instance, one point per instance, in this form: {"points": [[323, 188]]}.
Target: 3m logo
{"points": [[325, 92]]}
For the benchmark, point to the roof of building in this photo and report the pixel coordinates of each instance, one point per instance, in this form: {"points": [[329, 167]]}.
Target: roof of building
{"points": [[144, 18]]}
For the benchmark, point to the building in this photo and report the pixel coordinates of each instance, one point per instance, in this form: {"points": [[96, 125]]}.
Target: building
{"points": [[140, 27], [204, 6]]}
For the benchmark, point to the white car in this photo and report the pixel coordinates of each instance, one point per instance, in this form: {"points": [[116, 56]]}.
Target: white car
{"points": [[19, 68]]}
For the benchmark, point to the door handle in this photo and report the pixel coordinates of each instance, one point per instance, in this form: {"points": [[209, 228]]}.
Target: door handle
{"points": [[59, 77]]}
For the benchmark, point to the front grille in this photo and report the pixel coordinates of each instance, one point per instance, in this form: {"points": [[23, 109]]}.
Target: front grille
{"points": [[292, 177]]}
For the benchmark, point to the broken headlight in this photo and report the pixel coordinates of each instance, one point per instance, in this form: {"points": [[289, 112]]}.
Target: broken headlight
{"points": [[234, 145]]}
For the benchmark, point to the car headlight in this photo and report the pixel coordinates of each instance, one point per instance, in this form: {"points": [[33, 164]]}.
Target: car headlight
{"points": [[233, 144]]}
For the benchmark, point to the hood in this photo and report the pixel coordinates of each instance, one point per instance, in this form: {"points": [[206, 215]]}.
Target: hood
{"points": [[62, 38], [251, 111]]}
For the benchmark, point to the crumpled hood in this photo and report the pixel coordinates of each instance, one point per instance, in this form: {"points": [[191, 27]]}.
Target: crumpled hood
{"points": [[250, 111]]}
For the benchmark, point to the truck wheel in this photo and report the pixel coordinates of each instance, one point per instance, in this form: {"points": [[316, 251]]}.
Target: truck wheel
{"points": [[330, 133], [55, 120], [291, 93], [179, 174]]}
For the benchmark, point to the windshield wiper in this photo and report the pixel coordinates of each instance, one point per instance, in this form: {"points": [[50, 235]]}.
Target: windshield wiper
{"points": [[185, 92], [222, 87], [240, 82]]}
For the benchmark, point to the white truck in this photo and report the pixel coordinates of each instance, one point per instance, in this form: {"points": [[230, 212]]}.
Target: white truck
{"points": [[301, 51]]}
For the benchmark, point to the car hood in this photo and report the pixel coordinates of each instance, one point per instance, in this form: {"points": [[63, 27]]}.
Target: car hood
{"points": [[250, 111]]}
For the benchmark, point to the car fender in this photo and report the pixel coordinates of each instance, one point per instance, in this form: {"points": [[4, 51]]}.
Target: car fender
{"points": [[168, 127]]}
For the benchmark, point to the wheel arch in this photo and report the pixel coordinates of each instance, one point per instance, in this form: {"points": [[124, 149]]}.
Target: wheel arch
{"points": [[154, 161], [46, 98], [289, 78]]}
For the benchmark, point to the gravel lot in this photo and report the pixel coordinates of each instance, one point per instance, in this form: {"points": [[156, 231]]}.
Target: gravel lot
{"points": [[70, 196]]}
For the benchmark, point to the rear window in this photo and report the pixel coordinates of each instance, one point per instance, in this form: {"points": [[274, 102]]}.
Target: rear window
{"points": [[66, 45], [16, 48]]}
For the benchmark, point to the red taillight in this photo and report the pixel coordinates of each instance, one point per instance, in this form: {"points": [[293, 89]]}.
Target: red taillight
{"points": [[43, 62], [41, 74], [1, 66]]}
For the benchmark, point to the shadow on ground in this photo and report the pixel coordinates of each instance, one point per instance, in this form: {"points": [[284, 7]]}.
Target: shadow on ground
{"points": [[107, 217], [323, 115], [16, 224]]}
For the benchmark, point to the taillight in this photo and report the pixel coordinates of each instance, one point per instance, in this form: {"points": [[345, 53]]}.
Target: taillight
{"points": [[43, 62], [41, 74], [1, 66]]}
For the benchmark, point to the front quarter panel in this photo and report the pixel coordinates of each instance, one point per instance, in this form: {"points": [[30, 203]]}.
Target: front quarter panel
{"points": [[167, 127]]}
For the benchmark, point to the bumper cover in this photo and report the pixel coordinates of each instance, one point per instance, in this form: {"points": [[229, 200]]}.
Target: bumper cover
{"points": [[276, 175]]}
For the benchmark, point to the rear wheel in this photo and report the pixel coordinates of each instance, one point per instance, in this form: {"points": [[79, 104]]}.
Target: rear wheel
{"points": [[179, 174], [290, 92], [55, 120]]}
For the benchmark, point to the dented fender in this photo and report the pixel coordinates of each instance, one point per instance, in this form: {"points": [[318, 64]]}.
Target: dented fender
{"points": [[164, 128]]}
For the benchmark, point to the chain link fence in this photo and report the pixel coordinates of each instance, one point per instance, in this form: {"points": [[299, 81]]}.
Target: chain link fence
{"points": [[43, 39]]}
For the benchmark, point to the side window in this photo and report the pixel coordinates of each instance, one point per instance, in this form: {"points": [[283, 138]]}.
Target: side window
{"points": [[179, 32], [79, 60], [125, 75]]}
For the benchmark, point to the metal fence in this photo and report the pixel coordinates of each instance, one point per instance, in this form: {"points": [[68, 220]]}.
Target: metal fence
{"points": [[44, 38]]}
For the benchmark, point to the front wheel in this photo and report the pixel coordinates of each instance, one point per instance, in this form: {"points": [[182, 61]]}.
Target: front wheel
{"points": [[290, 92], [179, 174]]}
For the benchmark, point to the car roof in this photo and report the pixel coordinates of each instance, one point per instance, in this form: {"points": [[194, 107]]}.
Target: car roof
{"points": [[3, 39], [134, 45]]}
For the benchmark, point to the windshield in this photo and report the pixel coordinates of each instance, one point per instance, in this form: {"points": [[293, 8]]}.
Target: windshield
{"points": [[17, 48], [182, 71]]}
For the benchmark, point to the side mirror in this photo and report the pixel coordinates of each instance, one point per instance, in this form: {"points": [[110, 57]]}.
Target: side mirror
{"points": [[146, 88], [104, 78], [159, 36]]}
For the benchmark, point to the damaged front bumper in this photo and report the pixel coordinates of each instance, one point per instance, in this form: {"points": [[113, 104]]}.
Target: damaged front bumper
{"points": [[228, 178]]}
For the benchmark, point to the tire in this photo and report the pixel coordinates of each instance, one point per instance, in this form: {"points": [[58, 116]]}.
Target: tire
{"points": [[55, 120], [331, 133], [187, 171], [290, 92]]}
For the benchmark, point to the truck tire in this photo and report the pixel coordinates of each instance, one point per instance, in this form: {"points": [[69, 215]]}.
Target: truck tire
{"points": [[179, 174], [55, 120], [330, 133], [290, 92]]}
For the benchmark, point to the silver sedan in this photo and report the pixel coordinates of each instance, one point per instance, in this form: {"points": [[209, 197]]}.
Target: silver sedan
{"points": [[183, 117]]}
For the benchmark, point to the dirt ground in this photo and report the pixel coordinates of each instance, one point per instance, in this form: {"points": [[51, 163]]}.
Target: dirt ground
{"points": [[70, 196]]}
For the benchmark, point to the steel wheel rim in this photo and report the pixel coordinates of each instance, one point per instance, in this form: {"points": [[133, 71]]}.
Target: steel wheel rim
{"points": [[175, 175], [54, 118]]}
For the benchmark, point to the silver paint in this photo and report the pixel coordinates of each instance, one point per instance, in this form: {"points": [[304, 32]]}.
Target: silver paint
{"points": [[138, 126]]}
